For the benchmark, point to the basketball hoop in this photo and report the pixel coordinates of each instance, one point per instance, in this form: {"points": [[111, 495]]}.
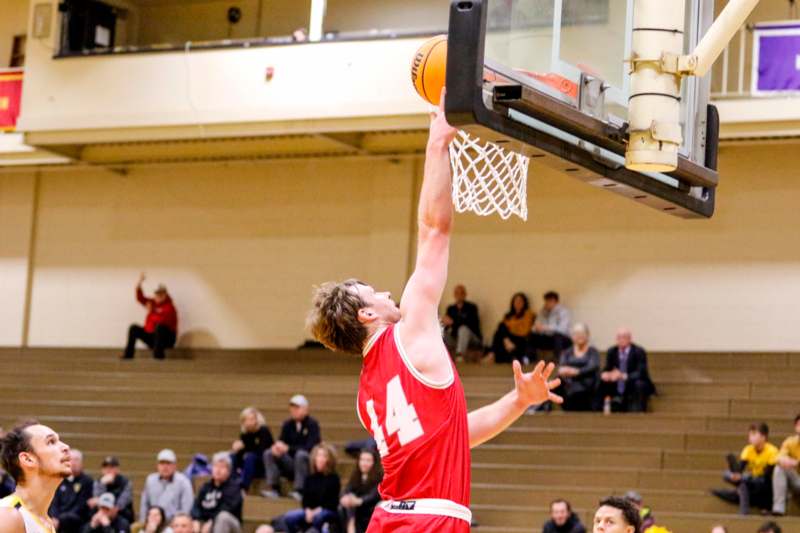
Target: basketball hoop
{"points": [[487, 178]]}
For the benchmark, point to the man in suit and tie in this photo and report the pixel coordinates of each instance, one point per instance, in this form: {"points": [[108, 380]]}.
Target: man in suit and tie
{"points": [[625, 378]]}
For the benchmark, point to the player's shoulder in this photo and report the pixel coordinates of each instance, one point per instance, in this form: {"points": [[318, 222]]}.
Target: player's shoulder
{"points": [[772, 449], [10, 518]]}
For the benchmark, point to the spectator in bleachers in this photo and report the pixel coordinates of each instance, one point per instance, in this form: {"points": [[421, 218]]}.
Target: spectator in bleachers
{"points": [[360, 495], [70, 507], [160, 329], [167, 489], [320, 494], [181, 523], [579, 368], [106, 519], [156, 521], [719, 529], [562, 519], [625, 379], [510, 341], [248, 451], [288, 457], [616, 515], [786, 476], [552, 327], [770, 527], [645, 513], [7, 485], [218, 506], [752, 474], [112, 481], [462, 325]]}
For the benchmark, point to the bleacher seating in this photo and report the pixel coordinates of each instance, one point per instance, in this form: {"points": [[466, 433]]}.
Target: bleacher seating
{"points": [[191, 402]]}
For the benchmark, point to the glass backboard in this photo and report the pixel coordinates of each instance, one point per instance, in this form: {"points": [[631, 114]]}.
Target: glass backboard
{"points": [[529, 68]]}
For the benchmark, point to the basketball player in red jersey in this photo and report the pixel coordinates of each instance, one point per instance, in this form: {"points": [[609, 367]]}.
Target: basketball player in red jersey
{"points": [[410, 397]]}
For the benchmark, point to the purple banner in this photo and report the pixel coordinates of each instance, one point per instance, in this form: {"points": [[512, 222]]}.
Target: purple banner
{"points": [[778, 60]]}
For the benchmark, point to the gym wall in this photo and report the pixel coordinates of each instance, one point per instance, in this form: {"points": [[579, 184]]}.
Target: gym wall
{"points": [[240, 246]]}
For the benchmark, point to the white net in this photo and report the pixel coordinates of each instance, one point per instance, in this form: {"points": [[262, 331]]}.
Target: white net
{"points": [[487, 178]]}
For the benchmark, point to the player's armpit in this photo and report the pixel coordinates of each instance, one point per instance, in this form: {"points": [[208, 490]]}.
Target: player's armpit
{"points": [[11, 521]]}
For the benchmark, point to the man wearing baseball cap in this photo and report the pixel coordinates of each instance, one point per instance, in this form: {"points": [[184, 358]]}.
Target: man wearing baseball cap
{"points": [[106, 519], [166, 488], [288, 457], [160, 326], [118, 485]]}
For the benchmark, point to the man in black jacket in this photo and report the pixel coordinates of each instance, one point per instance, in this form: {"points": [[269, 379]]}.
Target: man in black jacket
{"points": [[562, 519], [625, 378], [70, 507], [7, 485], [112, 481], [288, 457], [462, 326], [218, 506]]}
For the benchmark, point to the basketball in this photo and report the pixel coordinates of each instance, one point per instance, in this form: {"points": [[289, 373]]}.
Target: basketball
{"points": [[429, 67]]}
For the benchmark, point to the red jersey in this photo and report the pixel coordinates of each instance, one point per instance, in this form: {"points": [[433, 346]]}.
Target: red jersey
{"points": [[163, 313], [420, 427]]}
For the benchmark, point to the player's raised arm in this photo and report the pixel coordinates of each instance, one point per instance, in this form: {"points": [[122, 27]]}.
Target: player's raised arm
{"points": [[419, 305], [530, 389]]}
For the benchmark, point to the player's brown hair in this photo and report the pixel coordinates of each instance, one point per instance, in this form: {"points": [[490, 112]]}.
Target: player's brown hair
{"points": [[13, 443], [333, 319]]}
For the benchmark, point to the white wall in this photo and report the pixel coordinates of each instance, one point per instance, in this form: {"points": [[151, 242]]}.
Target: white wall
{"points": [[241, 245], [359, 79]]}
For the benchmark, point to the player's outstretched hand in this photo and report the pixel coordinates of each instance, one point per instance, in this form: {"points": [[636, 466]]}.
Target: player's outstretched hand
{"points": [[536, 387], [442, 133]]}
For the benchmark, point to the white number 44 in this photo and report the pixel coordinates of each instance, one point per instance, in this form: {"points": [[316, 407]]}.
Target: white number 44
{"points": [[401, 418]]}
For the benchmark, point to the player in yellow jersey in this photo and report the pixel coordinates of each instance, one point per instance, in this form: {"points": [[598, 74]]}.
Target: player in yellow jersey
{"points": [[38, 461]]}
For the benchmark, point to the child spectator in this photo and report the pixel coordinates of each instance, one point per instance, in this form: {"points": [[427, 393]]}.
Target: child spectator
{"points": [[752, 475]]}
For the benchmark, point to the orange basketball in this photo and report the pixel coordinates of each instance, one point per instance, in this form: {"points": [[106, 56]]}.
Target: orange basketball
{"points": [[429, 67]]}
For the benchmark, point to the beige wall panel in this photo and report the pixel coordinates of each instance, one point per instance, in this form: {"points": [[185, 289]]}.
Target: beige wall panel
{"points": [[16, 213], [239, 246]]}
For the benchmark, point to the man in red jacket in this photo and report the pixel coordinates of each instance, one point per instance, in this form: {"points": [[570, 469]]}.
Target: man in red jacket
{"points": [[161, 325]]}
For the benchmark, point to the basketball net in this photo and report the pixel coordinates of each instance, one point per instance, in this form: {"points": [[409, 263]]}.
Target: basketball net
{"points": [[487, 178]]}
